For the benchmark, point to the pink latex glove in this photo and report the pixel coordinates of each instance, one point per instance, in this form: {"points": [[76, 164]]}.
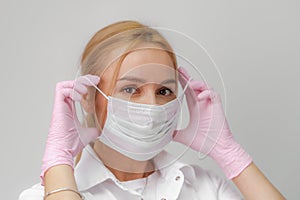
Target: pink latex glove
{"points": [[66, 137], [208, 131]]}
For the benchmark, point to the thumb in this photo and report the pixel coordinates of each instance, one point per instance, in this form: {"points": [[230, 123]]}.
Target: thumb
{"points": [[184, 73], [88, 135], [85, 134], [179, 136]]}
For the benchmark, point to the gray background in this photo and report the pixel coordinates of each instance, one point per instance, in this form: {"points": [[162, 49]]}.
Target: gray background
{"points": [[255, 44]]}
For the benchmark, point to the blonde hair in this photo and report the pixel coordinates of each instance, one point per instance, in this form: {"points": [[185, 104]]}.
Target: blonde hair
{"points": [[117, 41]]}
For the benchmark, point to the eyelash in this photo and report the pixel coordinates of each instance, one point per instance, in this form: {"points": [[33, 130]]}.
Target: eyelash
{"points": [[127, 88], [165, 88], [135, 88]]}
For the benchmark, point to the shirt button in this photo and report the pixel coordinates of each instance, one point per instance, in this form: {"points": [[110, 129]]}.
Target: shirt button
{"points": [[177, 178]]}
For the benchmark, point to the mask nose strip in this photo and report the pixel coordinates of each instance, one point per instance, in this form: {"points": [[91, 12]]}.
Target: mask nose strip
{"points": [[96, 87]]}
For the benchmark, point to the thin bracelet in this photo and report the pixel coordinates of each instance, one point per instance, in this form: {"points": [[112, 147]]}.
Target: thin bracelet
{"points": [[61, 190]]}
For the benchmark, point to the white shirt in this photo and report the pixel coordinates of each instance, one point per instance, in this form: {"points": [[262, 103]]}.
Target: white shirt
{"points": [[172, 180]]}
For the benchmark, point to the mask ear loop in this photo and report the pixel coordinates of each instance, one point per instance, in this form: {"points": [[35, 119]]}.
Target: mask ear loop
{"points": [[185, 88], [96, 87], [186, 85]]}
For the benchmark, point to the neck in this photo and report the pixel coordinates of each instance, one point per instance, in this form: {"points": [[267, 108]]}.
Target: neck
{"points": [[122, 167]]}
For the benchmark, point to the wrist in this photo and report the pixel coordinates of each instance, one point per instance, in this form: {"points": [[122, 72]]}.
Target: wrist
{"points": [[61, 176], [233, 160], [51, 162]]}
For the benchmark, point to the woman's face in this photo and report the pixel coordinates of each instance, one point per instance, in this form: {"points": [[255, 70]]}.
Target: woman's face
{"points": [[146, 76]]}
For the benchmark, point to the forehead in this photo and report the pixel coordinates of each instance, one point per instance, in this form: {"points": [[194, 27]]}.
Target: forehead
{"points": [[148, 63]]}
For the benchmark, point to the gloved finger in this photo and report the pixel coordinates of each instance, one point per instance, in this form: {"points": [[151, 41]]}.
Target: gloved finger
{"points": [[183, 76], [63, 93], [63, 90], [206, 95], [184, 73], [82, 82], [68, 93], [179, 136], [191, 95], [217, 98], [88, 134], [64, 84], [75, 96], [194, 84], [88, 80], [80, 88], [198, 86]]}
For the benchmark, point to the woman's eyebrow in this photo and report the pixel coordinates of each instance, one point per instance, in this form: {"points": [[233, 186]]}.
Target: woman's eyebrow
{"points": [[168, 81], [133, 79], [140, 80]]}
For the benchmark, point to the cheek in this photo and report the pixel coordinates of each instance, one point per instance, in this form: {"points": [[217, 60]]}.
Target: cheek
{"points": [[165, 99]]}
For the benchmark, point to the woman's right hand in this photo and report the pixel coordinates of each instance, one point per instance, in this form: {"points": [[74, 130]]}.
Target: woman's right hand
{"points": [[64, 141]]}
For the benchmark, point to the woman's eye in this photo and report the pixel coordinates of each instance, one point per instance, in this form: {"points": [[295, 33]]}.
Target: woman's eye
{"points": [[129, 90], [165, 91]]}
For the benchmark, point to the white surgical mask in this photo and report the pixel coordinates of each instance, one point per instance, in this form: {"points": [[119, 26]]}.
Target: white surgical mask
{"points": [[139, 131]]}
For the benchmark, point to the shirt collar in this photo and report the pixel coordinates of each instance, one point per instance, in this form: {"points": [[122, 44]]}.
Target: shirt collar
{"points": [[168, 165], [90, 171]]}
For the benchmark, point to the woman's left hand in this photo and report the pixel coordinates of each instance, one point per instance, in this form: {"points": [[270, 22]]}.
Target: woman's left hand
{"points": [[208, 131]]}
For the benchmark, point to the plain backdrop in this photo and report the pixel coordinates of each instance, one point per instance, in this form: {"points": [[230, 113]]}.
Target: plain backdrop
{"points": [[254, 42]]}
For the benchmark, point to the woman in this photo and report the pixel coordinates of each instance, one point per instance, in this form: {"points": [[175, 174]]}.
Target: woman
{"points": [[128, 87]]}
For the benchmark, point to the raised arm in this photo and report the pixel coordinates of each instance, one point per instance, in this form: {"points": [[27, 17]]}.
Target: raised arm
{"points": [[65, 140], [209, 133]]}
